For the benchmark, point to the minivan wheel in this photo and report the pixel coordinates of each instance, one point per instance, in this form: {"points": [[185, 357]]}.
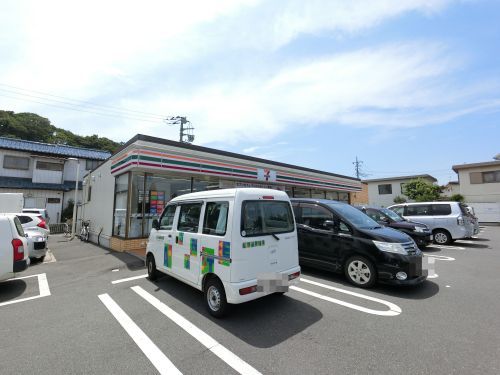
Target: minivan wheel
{"points": [[360, 272], [150, 263], [442, 237], [215, 298]]}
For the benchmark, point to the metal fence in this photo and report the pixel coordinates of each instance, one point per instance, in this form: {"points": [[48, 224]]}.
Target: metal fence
{"points": [[58, 228]]}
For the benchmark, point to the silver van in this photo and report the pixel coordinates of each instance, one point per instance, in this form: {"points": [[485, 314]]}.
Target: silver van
{"points": [[448, 221]]}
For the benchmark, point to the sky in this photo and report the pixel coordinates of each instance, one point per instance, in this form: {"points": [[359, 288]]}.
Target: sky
{"points": [[407, 87]]}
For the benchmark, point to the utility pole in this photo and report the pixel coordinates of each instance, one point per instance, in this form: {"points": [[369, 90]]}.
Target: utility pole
{"points": [[357, 167], [186, 129]]}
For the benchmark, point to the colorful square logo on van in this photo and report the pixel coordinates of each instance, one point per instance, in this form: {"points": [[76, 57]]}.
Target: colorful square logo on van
{"points": [[167, 256], [193, 246], [181, 238], [225, 252], [207, 262], [187, 262]]}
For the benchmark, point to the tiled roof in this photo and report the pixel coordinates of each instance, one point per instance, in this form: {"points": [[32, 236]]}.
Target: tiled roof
{"points": [[428, 176], [52, 149], [27, 183]]}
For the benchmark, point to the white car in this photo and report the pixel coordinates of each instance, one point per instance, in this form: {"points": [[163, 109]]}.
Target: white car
{"points": [[37, 244], [34, 221], [13, 247], [38, 211]]}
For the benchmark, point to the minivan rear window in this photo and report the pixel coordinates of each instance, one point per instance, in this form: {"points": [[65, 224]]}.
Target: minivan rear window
{"points": [[259, 218]]}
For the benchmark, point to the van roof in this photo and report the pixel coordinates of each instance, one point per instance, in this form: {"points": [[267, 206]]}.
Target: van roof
{"points": [[229, 193], [414, 203]]}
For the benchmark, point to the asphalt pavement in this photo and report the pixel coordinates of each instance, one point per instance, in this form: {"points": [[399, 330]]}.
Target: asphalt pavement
{"points": [[65, 316]]}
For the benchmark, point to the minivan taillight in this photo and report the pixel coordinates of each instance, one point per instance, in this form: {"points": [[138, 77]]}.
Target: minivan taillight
{"points": [[460, 220], [18, 249], [42, 224]]}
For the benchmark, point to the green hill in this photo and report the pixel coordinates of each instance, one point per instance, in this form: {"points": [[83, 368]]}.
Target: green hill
{"points": [[31, 127]]}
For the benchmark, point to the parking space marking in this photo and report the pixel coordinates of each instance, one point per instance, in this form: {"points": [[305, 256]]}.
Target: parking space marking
{"points": [[440, 257], [148, 347], [211, 344], [446, 247], [49, 257], [129, 279], [393, 308], [43, 287]]}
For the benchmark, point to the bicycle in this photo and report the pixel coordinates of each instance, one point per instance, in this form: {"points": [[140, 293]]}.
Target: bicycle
{"points": [[84, 232]]}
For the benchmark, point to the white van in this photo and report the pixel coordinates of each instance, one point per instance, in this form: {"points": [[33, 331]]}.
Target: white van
{"points": [[235, 245], [13, 247]]}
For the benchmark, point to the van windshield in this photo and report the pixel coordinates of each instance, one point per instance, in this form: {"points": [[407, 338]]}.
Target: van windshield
{"points": [[354, 216], [259, 218]]}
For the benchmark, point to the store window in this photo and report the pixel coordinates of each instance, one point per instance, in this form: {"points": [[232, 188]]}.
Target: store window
{"points": [[318, 194], [202, 184], [137, 198], [301, 193], [344, 197], [332, 195], [120, 214]]}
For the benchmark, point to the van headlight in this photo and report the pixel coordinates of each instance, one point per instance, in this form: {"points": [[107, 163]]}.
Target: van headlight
{"points": [[390, 247]]}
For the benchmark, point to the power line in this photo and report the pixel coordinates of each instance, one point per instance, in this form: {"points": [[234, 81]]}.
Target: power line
{"points": [[79, 110], [357, 168], [78, 102]]}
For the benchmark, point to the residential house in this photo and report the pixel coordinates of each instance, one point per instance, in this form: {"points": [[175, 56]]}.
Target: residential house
{"points": [[45, 173]]}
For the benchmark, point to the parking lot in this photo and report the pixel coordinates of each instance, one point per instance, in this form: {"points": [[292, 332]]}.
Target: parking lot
{"points": [[90, 310]]}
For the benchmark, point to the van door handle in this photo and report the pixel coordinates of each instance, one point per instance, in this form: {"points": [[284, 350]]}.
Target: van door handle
{"points": [[169, 236], [176, 239]]}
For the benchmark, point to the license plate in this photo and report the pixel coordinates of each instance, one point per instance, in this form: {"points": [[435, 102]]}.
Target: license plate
{"points": [[272, 282]]}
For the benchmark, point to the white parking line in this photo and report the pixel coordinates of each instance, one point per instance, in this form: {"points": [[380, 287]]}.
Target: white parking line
{"points": [[129, 279], [148, 347], [43, 287], [440, 257], [49, 257], [211, 344], [393, 308], [447, 247]]}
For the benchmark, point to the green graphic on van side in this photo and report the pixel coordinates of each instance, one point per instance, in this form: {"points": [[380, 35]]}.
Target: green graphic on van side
{"points": [[247, 245], [225, 252], [207, 263], [193, 246], [167, 256], [187, 262], [180, 238]]}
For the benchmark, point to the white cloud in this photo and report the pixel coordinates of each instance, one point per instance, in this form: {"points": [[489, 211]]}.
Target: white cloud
{"points": [[169, 57]]}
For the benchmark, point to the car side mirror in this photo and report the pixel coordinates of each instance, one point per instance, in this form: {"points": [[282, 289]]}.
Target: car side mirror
{"points": [[329, 224], [156, 224]]}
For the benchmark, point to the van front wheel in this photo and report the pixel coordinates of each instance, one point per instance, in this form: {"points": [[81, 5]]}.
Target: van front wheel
{"points": [[215, 298], [360, 272], [150, 263]]}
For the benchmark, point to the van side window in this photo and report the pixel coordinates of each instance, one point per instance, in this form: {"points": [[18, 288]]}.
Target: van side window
{"points": [[441, 209], [418, 210], [167, 220], [315, 216], [189, 217], [215, 221]]}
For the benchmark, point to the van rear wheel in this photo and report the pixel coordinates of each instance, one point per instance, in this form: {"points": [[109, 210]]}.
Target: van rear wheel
{"points": [[360, 271], [215, 298]]}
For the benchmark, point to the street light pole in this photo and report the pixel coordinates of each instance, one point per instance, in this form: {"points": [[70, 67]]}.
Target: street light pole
{"points": [[73, 223]]}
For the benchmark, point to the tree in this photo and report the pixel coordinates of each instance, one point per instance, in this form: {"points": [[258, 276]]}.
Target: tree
{"points": [[420, 190], [457, 198], [399, 199]]}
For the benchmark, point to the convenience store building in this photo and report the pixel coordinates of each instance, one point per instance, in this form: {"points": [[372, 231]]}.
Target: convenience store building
{"points": [[124, 194]]}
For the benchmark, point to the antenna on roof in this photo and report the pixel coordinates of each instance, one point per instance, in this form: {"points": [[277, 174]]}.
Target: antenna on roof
{"points": [[186, 129]]}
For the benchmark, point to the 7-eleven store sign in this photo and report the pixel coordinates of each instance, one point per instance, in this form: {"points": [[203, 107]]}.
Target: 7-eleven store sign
{"points": [[266, 175]]}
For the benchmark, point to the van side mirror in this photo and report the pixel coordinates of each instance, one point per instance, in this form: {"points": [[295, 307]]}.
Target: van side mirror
{"points": [[156, 224]]}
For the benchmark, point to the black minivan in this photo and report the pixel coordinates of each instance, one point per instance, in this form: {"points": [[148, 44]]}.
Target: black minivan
{"points": [[338, 237]]}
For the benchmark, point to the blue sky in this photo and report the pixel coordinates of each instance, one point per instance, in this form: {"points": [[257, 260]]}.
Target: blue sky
{"points": [[407, 86]]}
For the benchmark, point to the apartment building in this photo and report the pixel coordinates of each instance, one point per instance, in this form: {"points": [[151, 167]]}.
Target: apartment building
{"points": [[45, 173]]}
